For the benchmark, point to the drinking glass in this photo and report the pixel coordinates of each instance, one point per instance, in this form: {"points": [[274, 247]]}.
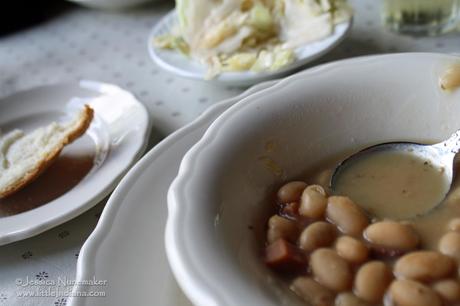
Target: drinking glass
{"points": [[420, 17]]}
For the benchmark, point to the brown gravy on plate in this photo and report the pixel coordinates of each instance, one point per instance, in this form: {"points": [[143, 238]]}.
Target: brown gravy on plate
{"points": [[73, 164]]}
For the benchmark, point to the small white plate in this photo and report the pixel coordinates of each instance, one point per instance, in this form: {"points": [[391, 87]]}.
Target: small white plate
{"points": [[127, 247], [86, 170], [179, 64]]}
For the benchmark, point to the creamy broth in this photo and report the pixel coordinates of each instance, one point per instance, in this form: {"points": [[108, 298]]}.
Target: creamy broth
{"points": [[431, 226], [391, 184]]}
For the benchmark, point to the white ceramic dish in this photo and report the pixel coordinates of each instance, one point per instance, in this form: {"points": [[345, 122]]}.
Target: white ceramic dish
{"points": [[179, 64], [116, 138], [127, 246], [218, 202]]}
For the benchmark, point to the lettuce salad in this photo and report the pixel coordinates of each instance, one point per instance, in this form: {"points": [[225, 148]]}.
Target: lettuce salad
{"points": [[255, 35]]}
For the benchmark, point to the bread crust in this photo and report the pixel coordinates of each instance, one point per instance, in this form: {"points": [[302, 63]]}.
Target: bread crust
{"points": [[86, 117]]}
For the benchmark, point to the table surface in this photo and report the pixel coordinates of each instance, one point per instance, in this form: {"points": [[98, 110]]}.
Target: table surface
{"points": [[79, 43]]}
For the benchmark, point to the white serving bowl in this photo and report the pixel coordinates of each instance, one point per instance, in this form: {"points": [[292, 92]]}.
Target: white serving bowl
{"points": [[218, 202]]}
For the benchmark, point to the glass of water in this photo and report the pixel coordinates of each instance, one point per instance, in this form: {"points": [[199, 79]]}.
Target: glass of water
{"points": [[420, 17]]}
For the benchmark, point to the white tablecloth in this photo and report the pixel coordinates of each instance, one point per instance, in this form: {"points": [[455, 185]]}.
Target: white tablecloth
{"points": [[112, 47]]}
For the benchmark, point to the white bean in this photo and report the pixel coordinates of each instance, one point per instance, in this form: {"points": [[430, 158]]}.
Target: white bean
{"points": [[291, 191], [313, 202], [349, 299], [424, 266], [392, 235], [450, 80], [448, 290], [317, 188], [279, 227], [372, 280], [454, 225], [346, 215], [324, 177], [312, 292], [331, 270], [316, 235], [352, 249], [450, 244], [412, 293]]}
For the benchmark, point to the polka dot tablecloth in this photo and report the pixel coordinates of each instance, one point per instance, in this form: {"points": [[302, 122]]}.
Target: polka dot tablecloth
{"points": [[79, 43]]}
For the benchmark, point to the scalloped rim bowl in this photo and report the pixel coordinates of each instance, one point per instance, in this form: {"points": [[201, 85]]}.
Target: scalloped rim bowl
{"points": [[218, 202]]}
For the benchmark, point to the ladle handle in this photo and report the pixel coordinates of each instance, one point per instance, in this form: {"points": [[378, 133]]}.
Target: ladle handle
{"points": [[452, 145]]}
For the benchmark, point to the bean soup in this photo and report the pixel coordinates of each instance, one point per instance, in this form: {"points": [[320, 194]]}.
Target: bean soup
{"points": [[336, 250]]}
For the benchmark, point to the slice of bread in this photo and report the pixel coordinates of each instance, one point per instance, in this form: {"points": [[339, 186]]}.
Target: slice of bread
{"points": [[23, 157]]}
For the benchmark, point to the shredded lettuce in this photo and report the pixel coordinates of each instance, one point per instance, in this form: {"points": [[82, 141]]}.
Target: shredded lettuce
{"points": [[181, 8], [173, 42], [273, 60], [261, 18], [240, 61]]}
